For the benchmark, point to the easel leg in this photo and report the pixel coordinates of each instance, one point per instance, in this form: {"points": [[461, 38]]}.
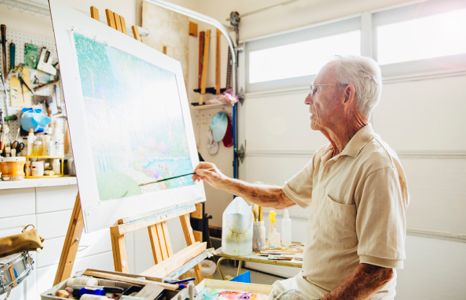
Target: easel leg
{"points": [[188, 235], [70, 247], [120, 260]]}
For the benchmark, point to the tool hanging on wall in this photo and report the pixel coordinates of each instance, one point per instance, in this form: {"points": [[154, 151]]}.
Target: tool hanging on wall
{"points": [[6, 95], [204, 67], [201, 57], [217, 62], [4, 60], [12, 56], [23, 77], [217, 90], [45, 62], [229, 69]]}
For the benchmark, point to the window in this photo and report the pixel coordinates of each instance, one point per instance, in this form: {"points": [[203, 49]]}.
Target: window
{"points": [[422, 38], [426, 38], [292, 59], [300, 59]]}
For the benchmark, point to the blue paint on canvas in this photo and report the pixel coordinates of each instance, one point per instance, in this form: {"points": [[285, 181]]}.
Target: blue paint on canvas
{"points": [[134, 117]]}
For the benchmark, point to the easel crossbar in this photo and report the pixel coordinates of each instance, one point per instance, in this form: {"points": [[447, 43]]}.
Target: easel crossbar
{"points": [[152, 220]]}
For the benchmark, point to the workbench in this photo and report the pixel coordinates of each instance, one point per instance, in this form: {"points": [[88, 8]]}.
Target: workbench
{"points": [[254, 257]]}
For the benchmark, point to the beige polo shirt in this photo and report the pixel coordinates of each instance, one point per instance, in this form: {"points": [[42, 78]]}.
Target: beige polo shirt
{"points": [[359, 200]]}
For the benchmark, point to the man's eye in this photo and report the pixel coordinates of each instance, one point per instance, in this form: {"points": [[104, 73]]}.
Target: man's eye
{"points": [[314, 91]]}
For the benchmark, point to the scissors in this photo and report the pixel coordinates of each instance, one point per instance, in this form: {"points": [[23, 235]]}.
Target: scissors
{"points": [[19, 146]]}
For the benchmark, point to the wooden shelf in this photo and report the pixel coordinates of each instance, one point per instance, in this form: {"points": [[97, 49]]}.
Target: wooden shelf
{"points": [[44, 156], [45, 176], [211, 106]]}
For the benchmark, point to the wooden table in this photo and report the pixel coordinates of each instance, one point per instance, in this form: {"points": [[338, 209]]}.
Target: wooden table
{"points": [[253, 257]]}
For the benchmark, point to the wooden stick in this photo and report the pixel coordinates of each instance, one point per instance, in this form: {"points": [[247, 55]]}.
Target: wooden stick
{"points": [[189, 236], [120, 259], [95, 13], [217, 63], [70, 247], [201, 56], [67, 137], [136, 33], [123, 25], [110, 18], [204, 67], [167, 286], [117, 22], [154, 242]]}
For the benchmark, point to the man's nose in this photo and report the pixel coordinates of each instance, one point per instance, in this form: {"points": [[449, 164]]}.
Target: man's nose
{"points": [[308, 99]]}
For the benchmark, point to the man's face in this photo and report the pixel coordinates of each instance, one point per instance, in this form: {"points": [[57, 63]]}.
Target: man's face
{"points": [[325, 105]]}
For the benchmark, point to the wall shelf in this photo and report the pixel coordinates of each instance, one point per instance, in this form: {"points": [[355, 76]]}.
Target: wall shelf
{"points": [[39, 182], [211, 106]]}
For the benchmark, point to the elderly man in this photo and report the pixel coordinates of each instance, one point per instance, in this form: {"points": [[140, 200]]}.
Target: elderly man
{"points": [[355, 185]]}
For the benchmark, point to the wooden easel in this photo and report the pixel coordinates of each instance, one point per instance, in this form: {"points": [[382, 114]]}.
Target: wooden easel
{"points": [[165, 261]]}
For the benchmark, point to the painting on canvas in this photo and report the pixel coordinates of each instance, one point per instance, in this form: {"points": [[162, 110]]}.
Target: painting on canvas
{"points": [[119, 89], [129, 121]]}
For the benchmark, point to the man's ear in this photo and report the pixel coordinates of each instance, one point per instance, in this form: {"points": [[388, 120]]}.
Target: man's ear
{"points": [[350, 93]]}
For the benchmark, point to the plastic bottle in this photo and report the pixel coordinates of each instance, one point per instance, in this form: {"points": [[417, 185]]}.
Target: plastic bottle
{"points": [[274, 236], [30, 142], [237, 228], [286, 229], [45, 143], [56, 166]]}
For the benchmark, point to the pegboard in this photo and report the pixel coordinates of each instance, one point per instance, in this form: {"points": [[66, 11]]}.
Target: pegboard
{"points": [[20, 39]]}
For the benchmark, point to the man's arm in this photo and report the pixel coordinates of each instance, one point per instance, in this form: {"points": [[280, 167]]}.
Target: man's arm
{"points": [[365, 280], [265, 195]]}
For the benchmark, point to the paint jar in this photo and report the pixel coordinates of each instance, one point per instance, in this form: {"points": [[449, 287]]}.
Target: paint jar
{"points": [[237, 228], [12, 168], [258, 243], [37, 148], [37, 168]]}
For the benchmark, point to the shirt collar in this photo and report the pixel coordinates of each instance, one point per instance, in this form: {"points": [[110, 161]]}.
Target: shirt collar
{"points": [[358, 141]]}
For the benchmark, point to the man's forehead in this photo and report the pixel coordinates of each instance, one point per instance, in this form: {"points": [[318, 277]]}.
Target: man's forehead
{"points": [[327, 72]]}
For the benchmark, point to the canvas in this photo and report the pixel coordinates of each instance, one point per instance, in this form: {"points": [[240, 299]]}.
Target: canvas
{"points": [[129, 121]]}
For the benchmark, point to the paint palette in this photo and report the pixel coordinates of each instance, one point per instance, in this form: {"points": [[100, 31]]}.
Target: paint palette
{"points": [[224, 294], [210, 289]]}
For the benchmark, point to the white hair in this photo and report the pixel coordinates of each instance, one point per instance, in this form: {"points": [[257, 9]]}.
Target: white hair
{"points": [[365, 75]]}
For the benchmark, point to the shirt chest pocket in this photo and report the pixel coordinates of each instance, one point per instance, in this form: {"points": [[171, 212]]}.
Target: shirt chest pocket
{"points": [[337, 224]]}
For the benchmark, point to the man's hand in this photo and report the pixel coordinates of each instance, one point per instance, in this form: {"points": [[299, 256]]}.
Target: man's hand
{"points": [[365, 280], [211, 174]]}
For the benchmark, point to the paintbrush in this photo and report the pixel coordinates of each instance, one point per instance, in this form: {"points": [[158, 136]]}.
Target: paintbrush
{"points": [[170, 178]]}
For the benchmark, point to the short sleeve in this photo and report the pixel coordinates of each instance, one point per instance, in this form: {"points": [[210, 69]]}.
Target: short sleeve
{"points": [[381, 219], [299, 187]]}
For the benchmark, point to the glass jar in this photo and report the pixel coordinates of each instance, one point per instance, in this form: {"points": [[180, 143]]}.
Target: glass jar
{"points": [[37, 148]]}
